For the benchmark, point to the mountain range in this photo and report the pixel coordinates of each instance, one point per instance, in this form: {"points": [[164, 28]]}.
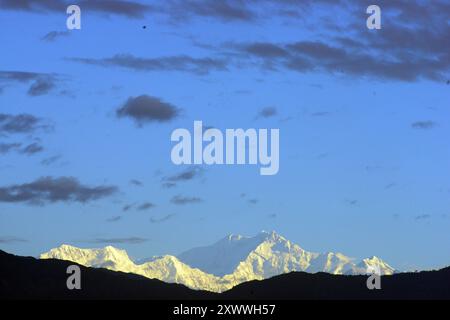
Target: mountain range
{"points": [[31, 278], [225, 264]]}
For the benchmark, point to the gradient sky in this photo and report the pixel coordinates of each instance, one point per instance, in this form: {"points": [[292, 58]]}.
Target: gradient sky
{"points": [[364, 121]]}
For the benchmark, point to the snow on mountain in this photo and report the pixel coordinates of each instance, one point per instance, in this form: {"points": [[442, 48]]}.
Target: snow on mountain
{"points": [[269, 254], [108, 257], [372, 265], [225, 264], [224, 256], [166, 268]]}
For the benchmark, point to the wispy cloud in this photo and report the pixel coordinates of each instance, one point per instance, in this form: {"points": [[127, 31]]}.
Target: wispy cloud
{"points": [[53, 35], [29, 150], [267, 112], [188, 174], [223, 10], [50, 190], [127, 207], [136, 183], [182, 200], [51, 160], [424, 125], [422, 217], [11, 240], [32, 149], [41, 83], [146, 206], [128, 8], [114, 219], [183, 63], [162, 219], [21, 123]]}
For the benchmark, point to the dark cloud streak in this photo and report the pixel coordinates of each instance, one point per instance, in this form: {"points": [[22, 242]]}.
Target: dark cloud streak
{"points": [[129, 9], [21, 123], [32, 149], [162, 219], [146, 206], [145, 109], [54, 35], [51, 190], [11, 240], [181, 200], [182, 63], [424, 125], [41, 83]]}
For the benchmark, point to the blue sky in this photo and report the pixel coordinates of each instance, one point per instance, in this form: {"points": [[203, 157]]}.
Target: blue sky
{"points": [[363, 118]]}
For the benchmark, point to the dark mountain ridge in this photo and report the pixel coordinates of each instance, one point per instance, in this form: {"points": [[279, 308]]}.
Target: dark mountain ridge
{"points": [[30, 278]]}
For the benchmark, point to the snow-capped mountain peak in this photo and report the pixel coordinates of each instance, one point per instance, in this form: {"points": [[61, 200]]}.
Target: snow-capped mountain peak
{"points": [[107, 257], [224, 256]]}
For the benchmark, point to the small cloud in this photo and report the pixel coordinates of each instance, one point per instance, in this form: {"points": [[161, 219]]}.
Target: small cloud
{"points": [[32, 149], [145, 109], [322, 155], [180, 200], [320, 114], [390, 185], [51, 160], [424, 125], [186, 175], [41, 87], [146, 206], [162, 219], [267, 112], [135, 182], [422, 217], [53, 35], [351, 202], [114, 219], [127, 207], [169, 185]]}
